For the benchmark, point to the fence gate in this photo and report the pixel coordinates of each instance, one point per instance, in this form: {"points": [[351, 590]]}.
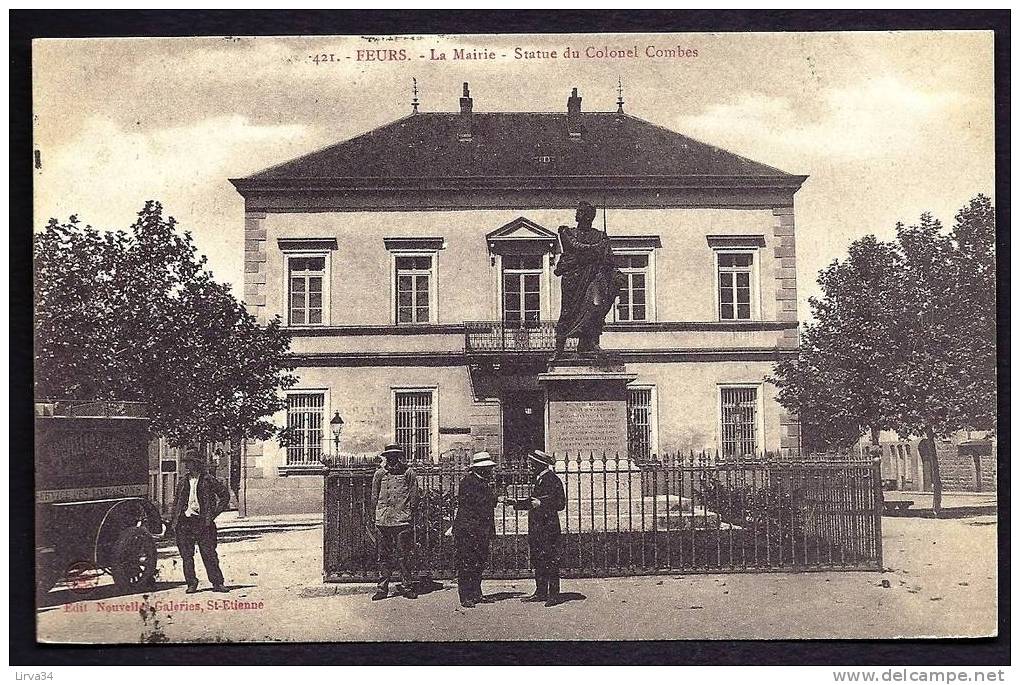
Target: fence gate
{"points": [[675, 513]]}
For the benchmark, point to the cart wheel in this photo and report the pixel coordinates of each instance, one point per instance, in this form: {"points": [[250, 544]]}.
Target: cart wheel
{"points": [[134, 558]]}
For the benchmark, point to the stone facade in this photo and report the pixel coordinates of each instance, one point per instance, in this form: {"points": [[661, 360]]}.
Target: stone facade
{"points": [[356, 208]]}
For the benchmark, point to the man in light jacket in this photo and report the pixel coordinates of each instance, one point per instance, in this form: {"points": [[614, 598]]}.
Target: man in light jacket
{"points": [[394, 500]]}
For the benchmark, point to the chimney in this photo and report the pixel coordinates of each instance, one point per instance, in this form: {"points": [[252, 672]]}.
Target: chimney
{"points": [[574, 114], [464, 127]]}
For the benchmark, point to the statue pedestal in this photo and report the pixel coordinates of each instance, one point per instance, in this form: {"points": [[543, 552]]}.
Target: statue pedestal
{"points": [[587, 405]]}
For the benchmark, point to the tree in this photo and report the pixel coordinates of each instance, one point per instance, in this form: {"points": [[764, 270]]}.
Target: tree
{"points": [[135, 315], [945, 370], [903, 337], [974, 237], [836, 382]]}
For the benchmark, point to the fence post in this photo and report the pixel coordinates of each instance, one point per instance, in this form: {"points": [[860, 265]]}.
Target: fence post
{"points": [[876, 474]]}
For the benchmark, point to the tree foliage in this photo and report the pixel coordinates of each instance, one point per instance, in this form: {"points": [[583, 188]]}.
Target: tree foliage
{"points": [[136, 315], [974, 238], [836, 383], [903, 336]]}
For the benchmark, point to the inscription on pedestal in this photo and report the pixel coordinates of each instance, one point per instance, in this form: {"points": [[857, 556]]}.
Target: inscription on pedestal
{"points": [[598, 426]]}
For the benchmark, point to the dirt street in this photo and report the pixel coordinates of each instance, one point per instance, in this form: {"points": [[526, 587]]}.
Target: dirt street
{"points": [[941, 577]]}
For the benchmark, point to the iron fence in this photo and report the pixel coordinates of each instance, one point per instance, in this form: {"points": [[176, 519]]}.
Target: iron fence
{"points": [[677, 513]]}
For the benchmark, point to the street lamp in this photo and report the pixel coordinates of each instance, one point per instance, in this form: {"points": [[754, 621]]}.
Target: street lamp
{"points": [[336, 424]]}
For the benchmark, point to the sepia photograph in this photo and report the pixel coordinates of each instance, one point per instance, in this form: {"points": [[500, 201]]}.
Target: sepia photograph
{"points": [[515, 337]]}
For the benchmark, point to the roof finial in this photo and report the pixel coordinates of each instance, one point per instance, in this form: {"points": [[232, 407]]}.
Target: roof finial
{"points": [[619, 95], [414, 91]]}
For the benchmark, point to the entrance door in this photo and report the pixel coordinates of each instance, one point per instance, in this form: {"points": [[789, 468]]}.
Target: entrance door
{"points": [[523, 423]]}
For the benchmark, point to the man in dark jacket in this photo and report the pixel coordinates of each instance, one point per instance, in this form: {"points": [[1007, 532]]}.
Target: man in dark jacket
{"points": [[394, 500], [199, 499], [473, 528], [544, 506]]}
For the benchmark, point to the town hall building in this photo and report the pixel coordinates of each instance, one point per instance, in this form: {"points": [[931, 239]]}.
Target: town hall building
{"points": [[413, 266]]}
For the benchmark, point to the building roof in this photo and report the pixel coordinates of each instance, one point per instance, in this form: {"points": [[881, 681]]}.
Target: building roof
{"points": [[516, 145]]}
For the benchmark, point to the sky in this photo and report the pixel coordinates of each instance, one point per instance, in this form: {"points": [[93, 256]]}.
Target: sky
{"points": [[886, 124]]}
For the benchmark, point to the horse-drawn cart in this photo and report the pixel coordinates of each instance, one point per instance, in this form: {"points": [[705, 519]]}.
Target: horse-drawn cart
{"points": [[92, 510]]}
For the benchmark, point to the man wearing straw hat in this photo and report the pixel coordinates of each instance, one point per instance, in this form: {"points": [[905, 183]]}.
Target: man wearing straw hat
{"points": [[394, 499], [544, 505], [473, 528]]}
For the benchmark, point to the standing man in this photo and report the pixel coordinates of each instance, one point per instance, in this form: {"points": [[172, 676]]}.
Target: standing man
{"points": [[395, 499], [544, 506], [473, 528], [930, 470], [199, 499]]}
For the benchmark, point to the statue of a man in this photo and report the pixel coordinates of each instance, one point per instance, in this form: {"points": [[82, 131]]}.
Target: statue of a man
{"points": [[589, 283]]}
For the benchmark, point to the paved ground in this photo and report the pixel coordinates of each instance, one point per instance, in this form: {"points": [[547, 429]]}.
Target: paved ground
{"points": [[941, 577]]}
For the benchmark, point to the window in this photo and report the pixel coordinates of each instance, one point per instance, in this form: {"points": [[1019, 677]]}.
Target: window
{"points": [[633, 302], [522, 288], [735, 291], [739, 412], [413, 288], [306, 298], [414, 279], [305, 412], [640, 420], [413, 423]]}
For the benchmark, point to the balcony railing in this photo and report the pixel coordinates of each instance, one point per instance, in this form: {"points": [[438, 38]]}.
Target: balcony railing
{"points": [[500, 337]]}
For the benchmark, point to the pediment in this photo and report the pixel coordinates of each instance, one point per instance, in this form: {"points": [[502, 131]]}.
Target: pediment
{"points": [[522, 234], [522, 228]]}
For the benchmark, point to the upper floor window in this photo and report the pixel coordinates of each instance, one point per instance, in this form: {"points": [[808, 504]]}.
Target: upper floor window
{"points": [[306, 264], [307, 293], [414, 279], [736, 271], [635, 258], [633, 304], [414, 286], [737, 279], [522, 288]]}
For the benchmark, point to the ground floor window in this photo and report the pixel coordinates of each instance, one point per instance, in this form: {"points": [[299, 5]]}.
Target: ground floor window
{"points": [[640, 417], [739, 411], [413, 423], [305, 427]]}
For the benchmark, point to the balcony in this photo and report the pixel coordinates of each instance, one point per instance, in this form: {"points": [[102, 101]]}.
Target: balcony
{"points": [[639, 341], [511, 338]]}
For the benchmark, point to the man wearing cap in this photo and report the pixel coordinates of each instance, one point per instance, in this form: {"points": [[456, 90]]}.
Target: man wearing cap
{"points": [[473, 528], [544, 506], [199, 499], [394, 499]]}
